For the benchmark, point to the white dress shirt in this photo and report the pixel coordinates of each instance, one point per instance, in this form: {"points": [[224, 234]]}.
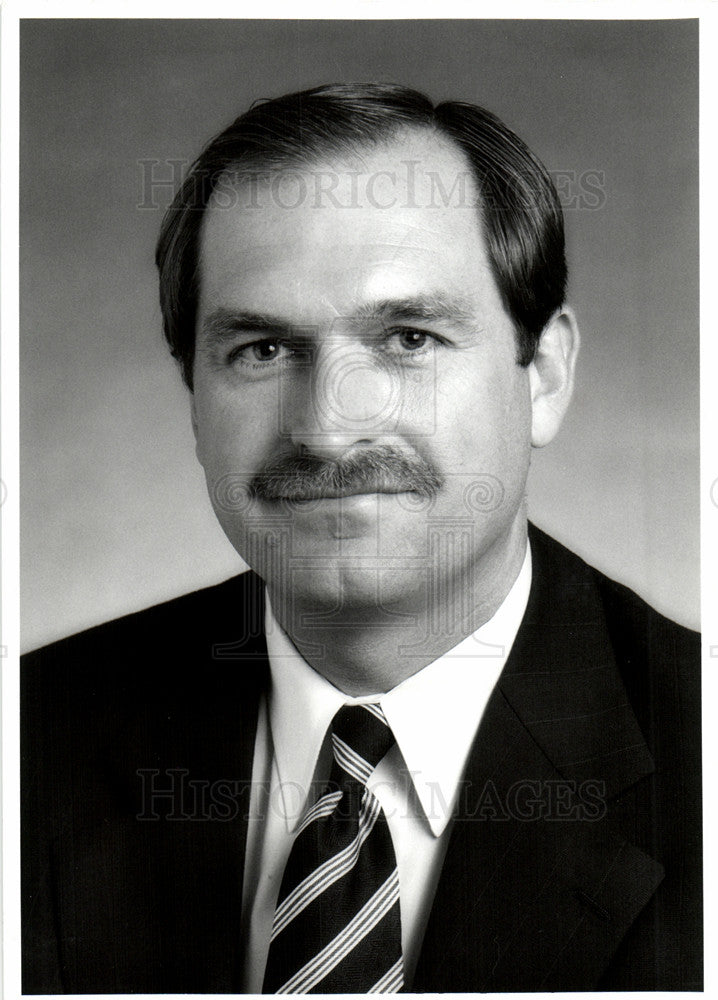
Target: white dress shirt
{"points": [[434, 716]]}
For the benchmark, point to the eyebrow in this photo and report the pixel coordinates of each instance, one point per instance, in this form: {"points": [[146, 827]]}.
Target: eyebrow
{"points": [[224, 323], [432, 307]]}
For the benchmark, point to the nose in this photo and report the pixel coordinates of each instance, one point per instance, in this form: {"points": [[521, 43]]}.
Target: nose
{"points": [[350, 399]]}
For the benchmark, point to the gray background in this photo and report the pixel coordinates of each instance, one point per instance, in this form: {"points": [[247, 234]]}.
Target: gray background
{"points": [[115, 514]]}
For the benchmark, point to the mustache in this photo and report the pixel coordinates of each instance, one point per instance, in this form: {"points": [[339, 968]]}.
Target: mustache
{"points": [[377, 470]]}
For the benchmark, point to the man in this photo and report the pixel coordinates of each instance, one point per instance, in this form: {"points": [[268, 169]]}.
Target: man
{"points": [[421, 746]]}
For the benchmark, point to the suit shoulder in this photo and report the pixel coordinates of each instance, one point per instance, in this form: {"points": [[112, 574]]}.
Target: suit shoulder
{"points": [[658, 659], [162, 626], [627, 613], [633, 615], [206, 647]]}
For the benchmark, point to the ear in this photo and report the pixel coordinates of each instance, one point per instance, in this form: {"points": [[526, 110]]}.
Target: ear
{"points": [[551, 376]]}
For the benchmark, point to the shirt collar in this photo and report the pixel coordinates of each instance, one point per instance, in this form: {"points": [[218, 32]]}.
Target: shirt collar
{"points": [[434, 714]]}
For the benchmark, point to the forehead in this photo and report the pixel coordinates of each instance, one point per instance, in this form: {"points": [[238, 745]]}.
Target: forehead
{"points": [[311, 241]]}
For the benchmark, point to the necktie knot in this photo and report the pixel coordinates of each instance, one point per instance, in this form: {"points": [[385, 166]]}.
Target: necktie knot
{"points": [[361, 737]]}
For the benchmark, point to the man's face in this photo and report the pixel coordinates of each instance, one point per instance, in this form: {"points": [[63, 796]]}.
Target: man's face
{"points": [[349, 318]]}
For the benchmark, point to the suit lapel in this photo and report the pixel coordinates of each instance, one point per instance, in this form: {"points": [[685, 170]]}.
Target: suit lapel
{"points": [[537, 890]]}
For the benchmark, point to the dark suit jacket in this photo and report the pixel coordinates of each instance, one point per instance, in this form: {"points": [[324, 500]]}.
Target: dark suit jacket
{"points": [[574, 860]]}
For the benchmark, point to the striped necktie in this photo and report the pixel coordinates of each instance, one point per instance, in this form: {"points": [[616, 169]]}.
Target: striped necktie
{"points": [[337, 927]]}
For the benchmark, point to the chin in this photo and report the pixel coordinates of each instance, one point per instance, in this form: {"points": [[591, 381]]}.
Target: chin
{"points": [[353, 593]]}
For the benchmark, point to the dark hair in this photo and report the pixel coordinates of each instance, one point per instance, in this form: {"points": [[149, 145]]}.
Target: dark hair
{"points": [[523, 222]]}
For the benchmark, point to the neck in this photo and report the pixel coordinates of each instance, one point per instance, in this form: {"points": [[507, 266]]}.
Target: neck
{"points": [[369, 650]]}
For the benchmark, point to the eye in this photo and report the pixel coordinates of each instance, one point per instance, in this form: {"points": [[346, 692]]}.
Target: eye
{"points": [[411, 339], [266, 350], [405, 340]]}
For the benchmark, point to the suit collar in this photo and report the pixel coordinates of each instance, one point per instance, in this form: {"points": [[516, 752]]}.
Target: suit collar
{"points": [[536, 891]]}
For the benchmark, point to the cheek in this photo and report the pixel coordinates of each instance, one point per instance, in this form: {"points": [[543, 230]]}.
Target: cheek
{"points": [[461, 408], [233, 429], [483, 423], [214, 429], [417, 406]]}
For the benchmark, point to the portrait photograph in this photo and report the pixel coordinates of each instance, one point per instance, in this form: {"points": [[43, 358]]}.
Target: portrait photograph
{"points": [[360, 553]]}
